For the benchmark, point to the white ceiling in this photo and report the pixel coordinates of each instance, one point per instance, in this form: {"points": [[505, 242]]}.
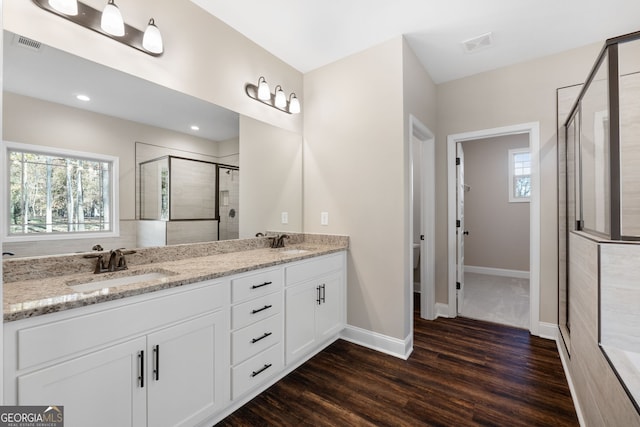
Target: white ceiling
{"points": [[308, 34]]}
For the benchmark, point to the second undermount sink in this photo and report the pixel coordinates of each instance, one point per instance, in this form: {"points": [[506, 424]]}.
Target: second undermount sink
{"points": [[98, 283]]}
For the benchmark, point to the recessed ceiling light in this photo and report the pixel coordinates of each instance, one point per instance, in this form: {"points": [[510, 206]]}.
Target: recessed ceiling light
{"points": [[83, 97], [195, 127]]}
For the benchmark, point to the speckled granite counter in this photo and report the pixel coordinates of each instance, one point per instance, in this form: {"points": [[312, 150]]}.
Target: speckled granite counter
{"points": [[37, 286]]}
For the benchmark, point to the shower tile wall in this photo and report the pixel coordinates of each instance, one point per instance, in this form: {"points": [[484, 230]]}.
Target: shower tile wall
{"points": [[229, 198]]}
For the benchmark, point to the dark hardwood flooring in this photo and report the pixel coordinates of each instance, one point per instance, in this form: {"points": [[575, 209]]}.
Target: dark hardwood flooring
{"points": [[462, 372]]}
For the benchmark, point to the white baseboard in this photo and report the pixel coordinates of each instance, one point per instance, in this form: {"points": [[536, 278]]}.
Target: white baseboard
{"points": [[572, 389], [442, 310], [497, 271], [375, 341], [548, 330]]}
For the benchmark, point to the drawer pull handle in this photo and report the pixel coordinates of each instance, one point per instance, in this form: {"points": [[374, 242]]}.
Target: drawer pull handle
{"points": [[261, 370], [141, 368], [266, 334], [259, 286], [266, 307]]}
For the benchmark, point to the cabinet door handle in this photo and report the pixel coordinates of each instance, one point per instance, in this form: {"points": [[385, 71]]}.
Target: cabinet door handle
{"points": [[318, 299], [266, 334], [324, 292], [266, 307], [261, 370], [259, 286], [156, 359], [141, 368]]}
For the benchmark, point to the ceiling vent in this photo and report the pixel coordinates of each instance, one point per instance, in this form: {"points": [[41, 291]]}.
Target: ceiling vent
{"points": [[478, 43], [27, 43]]}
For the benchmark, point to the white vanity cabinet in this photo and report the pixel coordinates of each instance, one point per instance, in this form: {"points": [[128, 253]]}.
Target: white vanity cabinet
{"points": [[257, 324], [315, 304], [144, 361]]}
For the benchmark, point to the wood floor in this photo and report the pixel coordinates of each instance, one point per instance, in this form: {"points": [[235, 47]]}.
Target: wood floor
{"points": [[462, 372]]}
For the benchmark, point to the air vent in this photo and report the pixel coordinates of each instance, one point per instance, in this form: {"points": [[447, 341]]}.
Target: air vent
{"points": [[27, 43], [478, 43]]}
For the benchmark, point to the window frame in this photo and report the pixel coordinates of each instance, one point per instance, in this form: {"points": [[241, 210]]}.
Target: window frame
{"points": [[512, 175], [114, 212]]}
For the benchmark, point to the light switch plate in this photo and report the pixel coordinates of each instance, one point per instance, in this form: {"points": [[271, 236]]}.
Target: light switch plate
{"points": [[324, 218], [285, 217]]}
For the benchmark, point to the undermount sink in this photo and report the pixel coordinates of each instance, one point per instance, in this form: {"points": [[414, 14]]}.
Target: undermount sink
{"points": [[98, 283], [293, 251]]}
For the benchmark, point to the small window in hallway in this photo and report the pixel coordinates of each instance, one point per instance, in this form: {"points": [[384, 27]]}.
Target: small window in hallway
{"points": [[519, 175]]}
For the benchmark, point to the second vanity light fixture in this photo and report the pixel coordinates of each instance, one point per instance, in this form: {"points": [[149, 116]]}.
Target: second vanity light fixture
{"points": [[278, 99], [109, 22]]}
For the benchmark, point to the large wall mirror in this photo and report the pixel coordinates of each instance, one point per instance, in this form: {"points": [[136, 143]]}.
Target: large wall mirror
{"points": [[247, 162]]}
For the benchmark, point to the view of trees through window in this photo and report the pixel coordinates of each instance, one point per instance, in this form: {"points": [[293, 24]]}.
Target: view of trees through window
{"points": [[57, 194]]}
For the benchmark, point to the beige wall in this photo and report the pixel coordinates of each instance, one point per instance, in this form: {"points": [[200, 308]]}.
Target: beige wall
{"points": [[520, 93], [356, 169], [498, 230], [203, 56]]}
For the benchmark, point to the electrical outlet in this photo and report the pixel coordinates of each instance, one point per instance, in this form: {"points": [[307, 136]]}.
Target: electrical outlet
{"points": [[285, 217], [324, 218]]}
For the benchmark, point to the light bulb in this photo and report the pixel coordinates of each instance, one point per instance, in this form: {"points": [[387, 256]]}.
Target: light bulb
{"points": [[68, 7], [294, 104], [112, 21], [281, 98], [263, 89], [152, 39]]}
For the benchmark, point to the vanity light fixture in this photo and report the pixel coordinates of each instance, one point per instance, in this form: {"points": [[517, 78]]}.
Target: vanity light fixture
{"points": [[112, 21], [68, 7], [277, 100], [108, 22]]}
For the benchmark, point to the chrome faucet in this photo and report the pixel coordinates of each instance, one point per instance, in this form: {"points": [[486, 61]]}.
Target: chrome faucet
{"points": [[116, 261]]}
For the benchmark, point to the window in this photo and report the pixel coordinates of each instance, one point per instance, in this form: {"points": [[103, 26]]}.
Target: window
{"points": [[54, 193], [519, 175]]}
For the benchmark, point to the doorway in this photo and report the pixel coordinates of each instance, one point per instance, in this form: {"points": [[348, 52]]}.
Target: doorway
{"points": [[532, 130], [422, 221]]}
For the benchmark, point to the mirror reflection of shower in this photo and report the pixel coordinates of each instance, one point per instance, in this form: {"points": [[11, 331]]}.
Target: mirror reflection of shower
{"points": [[228, 199]]}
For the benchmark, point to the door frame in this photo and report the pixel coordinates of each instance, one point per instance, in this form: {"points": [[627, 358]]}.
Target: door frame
{"points": [[533, 130], [420, 134]]}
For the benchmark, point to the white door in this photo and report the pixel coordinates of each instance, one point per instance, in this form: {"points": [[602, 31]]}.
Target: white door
{"points": [[105, 388], [328, 312], [300, 306], [460, 226], [187, 370]]}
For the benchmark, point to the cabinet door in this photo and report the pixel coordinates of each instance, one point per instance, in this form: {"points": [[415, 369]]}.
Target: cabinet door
{"points": [[188, 371], [329, 313], [301, 302], [98, 389]]}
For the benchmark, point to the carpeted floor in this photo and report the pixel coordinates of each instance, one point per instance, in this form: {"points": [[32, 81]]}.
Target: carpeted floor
{"points": [[497, 299]]}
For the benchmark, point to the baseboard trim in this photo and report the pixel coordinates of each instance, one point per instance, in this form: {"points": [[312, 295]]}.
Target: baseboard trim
{"points": [[497, 271], [572, 389], [442, 310], [375, 341], [548, 331]]}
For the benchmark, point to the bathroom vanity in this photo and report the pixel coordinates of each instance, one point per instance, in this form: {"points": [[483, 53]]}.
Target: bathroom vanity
{"points": [[194, 340]]}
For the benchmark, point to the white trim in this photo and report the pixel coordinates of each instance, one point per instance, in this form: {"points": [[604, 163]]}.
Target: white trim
{"points": [[548, 331], [502, 272], [114, 213], [375, 341], [533, 129], [572, 389], [442, 310]]}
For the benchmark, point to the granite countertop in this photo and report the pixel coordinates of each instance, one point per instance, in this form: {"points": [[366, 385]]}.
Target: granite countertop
{"points": [[29, 298]]}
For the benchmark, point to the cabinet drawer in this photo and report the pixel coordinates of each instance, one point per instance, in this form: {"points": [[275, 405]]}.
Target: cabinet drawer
{"points": [[255, 285], [256, 370], [75, 334], [256, 309], [253, 339], [307, 270]]}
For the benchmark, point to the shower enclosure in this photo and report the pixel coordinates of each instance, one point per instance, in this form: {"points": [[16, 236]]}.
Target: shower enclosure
{"points": [[228, 200], [599, 202]]}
